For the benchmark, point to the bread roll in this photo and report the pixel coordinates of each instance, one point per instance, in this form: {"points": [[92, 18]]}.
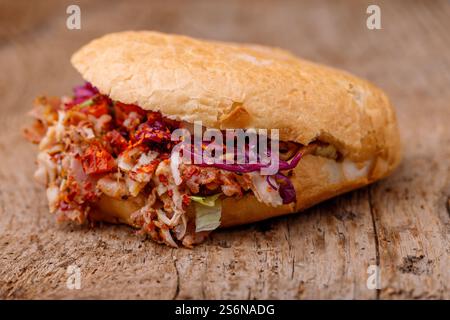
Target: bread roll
{"points": [[229, 85]]}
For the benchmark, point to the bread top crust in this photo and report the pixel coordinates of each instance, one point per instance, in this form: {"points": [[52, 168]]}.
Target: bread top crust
{"points": [[228, 85]]}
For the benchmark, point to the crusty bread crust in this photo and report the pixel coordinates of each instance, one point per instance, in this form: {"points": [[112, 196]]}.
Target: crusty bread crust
{"points": [[228, 85], [243, 86]]}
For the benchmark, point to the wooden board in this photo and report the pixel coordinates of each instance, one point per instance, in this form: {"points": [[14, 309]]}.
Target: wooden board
{"points": [[401, 224]]}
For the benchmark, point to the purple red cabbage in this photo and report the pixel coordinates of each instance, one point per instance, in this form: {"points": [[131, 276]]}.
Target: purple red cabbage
{"points": [[284, 165], [251, 167], [152, 133], [286, 189], [83, 93]]}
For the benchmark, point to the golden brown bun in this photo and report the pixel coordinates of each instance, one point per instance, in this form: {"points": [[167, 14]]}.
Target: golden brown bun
{"points": [[243, 86], [228, 85]]}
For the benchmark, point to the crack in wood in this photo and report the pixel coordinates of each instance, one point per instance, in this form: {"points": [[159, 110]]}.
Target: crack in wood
{"points": [[203, 288], [447, 205], [177, 289], [375, 232], [288, 239]]}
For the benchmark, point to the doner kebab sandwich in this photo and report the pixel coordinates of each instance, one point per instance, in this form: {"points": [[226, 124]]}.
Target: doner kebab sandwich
{"points": [[125, 147]]}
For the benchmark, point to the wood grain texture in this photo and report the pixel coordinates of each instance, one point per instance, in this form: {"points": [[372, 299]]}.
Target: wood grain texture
{"points": [[401, 223]]}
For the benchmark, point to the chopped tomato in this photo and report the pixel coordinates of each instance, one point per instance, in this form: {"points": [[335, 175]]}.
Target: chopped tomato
{"points": [[149, 168], [186, 200], [122, 110], [163, 179], [189, 171], [146, 133], [98, 107], [73, 189], [117, 141], [97, 160], [89, 191]]}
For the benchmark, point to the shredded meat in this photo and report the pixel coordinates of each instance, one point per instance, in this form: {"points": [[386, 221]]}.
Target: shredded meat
{"points": [[230, 183]]}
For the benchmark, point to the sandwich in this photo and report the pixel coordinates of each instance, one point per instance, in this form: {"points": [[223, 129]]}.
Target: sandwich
{"points": [[124, 147]]}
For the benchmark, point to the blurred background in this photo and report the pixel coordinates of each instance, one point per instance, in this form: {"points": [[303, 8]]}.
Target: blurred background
{"points": [[401, 223]]}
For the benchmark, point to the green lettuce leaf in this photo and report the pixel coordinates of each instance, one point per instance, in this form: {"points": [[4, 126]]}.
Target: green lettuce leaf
{"points": [[206, 201], [87, 103], [208, 211]]}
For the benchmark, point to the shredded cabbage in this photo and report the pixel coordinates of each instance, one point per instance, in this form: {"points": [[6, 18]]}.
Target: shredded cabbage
{"points": [[175, 161], [287, 190]]}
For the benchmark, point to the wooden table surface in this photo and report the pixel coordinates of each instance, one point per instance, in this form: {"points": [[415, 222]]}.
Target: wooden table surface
{"points": [[401, 223]]}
